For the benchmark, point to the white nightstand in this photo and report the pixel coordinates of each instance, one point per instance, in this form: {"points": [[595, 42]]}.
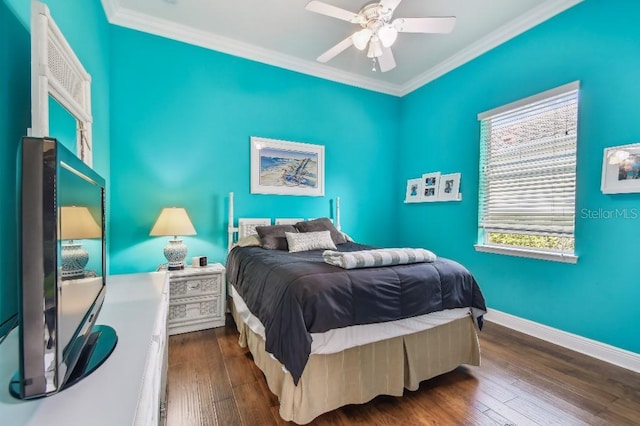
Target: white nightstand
{"points": [[197, 298]]}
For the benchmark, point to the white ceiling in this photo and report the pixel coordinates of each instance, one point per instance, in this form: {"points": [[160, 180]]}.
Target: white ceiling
{"points": [[284, 34]]}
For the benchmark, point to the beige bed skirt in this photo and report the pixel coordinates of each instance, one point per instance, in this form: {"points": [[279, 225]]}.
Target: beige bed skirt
{"points": [[359, 374]]}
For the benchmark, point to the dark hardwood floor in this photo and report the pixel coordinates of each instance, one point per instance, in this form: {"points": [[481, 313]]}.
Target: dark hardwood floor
{"points": [[522, 381]]}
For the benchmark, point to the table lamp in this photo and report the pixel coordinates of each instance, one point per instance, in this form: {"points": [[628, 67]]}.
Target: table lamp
{"points": [[174, 221], [76, 223]]}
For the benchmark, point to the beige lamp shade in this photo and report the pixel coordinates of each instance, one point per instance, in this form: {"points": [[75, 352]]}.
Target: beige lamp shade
{"points": [[77, 223], [173, 221]]}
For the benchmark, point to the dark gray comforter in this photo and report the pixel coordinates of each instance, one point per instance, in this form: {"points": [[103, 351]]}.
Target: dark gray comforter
{"points": [[295, 294]]}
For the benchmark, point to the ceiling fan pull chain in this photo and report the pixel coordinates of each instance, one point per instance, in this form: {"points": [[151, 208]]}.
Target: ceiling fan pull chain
{"points": [[374, 64]]}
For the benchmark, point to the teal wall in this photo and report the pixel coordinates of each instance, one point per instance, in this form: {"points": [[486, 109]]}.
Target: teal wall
{"points": [[63, 125], [597, 43], [172, 124], [15, 117], [86, 29], [182, 118]]}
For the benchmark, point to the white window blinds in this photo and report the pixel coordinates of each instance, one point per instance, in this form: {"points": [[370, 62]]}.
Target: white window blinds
{"points": [[528, 166]]}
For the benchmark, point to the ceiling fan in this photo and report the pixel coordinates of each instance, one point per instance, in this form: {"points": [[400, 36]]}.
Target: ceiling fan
{"points": [[378, 31]]}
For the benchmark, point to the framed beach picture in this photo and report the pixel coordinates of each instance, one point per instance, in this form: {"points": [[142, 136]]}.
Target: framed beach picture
{"points": [[449, 187], [621, 169], [414, 191], [286, 168], [430, 186]]}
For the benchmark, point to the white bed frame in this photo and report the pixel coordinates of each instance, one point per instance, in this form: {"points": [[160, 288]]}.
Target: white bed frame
{"points": [[247, 226]]}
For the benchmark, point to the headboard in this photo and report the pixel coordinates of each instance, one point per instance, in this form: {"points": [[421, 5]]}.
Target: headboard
{"points": [[247, 226], [287, 220]]}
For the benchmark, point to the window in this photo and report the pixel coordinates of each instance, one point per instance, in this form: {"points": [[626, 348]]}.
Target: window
{"points": [[528, 176]]}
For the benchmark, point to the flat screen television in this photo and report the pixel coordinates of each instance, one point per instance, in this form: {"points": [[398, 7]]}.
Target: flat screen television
{"points": [[63, 270]]}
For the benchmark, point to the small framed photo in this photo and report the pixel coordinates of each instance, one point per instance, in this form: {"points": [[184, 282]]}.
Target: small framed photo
{"points": [[430, 183], [449, 187], [414, 191], [621, 169]]}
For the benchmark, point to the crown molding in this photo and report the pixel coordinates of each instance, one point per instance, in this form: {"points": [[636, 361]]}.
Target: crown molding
{"points": [[110, 8], [118, 15], [513, 28], [138, 21]]}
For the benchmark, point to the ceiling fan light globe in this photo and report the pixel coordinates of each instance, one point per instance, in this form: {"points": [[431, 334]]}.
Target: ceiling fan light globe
{"points": [[375, 48], [387, 35], [361, 38]]}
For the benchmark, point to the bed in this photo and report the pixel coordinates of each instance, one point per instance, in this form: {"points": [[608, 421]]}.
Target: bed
{"points": [[325, 337]]}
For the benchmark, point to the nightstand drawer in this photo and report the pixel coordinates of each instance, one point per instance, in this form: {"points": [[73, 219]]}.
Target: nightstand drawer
{"points": [[191, 309], [195, 286]]}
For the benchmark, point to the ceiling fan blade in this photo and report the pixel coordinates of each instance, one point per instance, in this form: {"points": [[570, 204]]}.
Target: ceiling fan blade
{"points": [[332, 11], [389, 4], [425, 25], [386, 62], [335, 50]]}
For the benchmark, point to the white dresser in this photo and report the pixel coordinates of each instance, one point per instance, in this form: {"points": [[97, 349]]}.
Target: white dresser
{"points": [[197, 298], [129, 388]]}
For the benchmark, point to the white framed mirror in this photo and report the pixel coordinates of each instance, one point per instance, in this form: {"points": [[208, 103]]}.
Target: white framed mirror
{"points": [[57, 72]]}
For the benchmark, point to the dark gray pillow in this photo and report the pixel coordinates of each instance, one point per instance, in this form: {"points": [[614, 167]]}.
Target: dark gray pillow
{"points": [[273, 237], [322, 224]]}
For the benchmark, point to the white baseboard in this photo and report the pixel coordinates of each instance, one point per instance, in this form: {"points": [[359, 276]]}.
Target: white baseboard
{"points": [[602, 351]]}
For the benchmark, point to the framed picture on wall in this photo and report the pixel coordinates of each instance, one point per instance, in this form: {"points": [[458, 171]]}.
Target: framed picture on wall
{"points": [[621, 169], [414, 191], [286, 168], [449, 187], [430, 183]]}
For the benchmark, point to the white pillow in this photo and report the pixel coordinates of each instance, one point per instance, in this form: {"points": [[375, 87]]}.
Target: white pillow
{"points": [[305, 241], [249, 241]]}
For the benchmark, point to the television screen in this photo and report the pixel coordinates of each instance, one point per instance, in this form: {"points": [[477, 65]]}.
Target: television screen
{"points": [[63, 270], [80, 228]]}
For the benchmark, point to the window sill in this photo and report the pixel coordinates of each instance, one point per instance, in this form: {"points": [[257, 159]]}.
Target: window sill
{"points": [[529, 253]]}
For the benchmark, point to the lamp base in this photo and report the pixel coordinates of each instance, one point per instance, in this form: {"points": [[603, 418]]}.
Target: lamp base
{"points": [[74, 260], [175, 252]]}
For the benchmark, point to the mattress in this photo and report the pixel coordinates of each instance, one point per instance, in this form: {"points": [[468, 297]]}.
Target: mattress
{"points": [[337, 340]]}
